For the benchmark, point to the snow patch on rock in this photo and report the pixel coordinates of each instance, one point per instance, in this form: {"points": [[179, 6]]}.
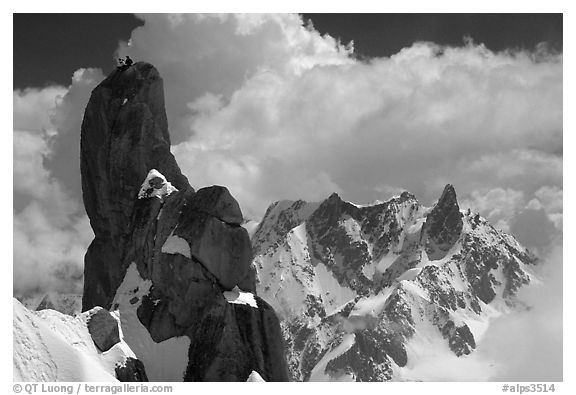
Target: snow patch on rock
{"points": [[176, 245], [155, 185], [255, 377], [372, 305], [333, 294], [237, 296]]}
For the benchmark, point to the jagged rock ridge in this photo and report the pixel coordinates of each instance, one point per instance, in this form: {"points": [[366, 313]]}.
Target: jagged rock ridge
{"points": [[358, 286], [164, 254]]}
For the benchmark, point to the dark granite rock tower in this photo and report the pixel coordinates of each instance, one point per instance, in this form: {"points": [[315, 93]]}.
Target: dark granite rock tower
{"points": [[188, 244]]}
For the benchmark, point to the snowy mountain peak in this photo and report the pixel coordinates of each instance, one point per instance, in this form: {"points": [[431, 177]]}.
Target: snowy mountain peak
{"points": [[357, 285]]}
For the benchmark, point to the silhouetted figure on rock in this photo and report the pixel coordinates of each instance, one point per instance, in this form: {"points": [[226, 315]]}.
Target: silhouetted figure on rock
{"points": [[123, 64]]}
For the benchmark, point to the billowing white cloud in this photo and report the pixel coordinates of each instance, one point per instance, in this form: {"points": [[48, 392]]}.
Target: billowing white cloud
{"points": [[536, 223], [49, 250], [550, 199], [31, 107], [199, 54], [64, 159], [498, 205], [273, 110], [51, 233], [527, 345], [51, 230]]}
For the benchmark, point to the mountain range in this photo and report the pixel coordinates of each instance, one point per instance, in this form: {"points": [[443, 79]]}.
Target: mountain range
{"points": [[363, 291]]}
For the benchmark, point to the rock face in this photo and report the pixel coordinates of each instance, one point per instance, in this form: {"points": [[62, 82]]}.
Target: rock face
{"points": [[124, 135], [132, 370], [188, 247], [104, 330], [443, 225], [360, 288]]}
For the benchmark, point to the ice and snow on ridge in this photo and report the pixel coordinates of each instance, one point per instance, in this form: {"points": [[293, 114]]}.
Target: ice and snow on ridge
{"points": [[319, 371], [155, 185], [409, 274], [372, 305], [51, 346], [374, 203], [176, 245], [280, 218], [237, 296]]}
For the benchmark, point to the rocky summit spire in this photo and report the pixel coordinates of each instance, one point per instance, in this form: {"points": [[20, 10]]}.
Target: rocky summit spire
{"points": [[443, 224], [359, 285], [124, 135], [175, 263]]}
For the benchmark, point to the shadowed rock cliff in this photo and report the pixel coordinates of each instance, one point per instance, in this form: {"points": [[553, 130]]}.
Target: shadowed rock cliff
{"points": [[124, 135]]}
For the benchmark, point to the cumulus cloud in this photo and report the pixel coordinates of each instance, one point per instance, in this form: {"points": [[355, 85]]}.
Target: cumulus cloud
{"points": [[498, 205], [64, 159], [273, 110], [49, 250], [51, 230], [527, 345], [534, 229], [31, 107], [215, 54], [536, 223], [50, 233], [432, 360]]}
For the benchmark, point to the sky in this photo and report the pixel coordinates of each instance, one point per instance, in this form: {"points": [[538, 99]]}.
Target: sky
{"points": [[275, 107], [63, 43]]}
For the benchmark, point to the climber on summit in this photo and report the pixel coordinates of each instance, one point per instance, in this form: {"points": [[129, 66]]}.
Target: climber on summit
{"points": [[123, 64]]}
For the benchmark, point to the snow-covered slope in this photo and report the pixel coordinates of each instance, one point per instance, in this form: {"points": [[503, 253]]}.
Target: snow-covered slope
{"points": [[360, 289], [51, 346]]}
